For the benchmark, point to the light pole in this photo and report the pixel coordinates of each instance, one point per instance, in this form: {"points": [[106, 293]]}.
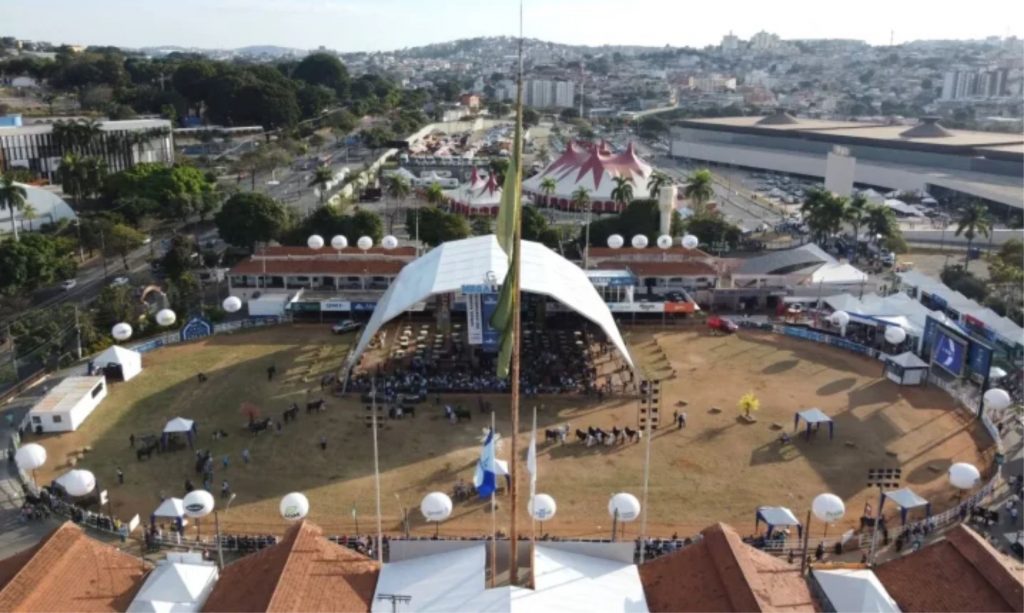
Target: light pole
{"points": [[216, 523]]}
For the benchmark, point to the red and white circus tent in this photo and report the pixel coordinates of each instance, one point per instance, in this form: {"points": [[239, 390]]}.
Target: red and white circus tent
{"points": [[481, 196], [594, 168]]}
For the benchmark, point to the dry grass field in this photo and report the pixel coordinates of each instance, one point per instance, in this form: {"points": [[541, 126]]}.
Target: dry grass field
{"points": [[719, 468]]}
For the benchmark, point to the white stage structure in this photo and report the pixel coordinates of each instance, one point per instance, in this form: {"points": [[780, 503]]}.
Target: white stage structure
{"points": [[854, 590], [480, 260], [179, 584], [66, 406]]}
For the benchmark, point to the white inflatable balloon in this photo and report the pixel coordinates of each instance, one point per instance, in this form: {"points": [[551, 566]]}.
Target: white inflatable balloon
{"points": [[30, 456], [664, 241], [339, 242], [639, 241], [198, 503], [364, 242], [166, 317], [997, 399], [232, 304], [996, 373], [315, 241], [615, 241], [963, 476], [389, 242], [829, 508], [840, 318], [121, 331], [294, 506], [436, 506], [542, 507], [77, 482], [626, 504], [895, 334], [690, 241]]}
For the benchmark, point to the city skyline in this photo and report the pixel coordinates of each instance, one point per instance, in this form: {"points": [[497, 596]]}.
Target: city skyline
{"points": [[383, 25]]}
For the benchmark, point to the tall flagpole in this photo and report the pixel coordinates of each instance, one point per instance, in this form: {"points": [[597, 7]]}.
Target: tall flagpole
{"points": [[513, 533], [533, 495], [376, 472], [494, 518]]}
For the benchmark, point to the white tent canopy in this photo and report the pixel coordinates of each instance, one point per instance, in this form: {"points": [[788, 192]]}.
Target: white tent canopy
{"points": [[839, 273], [908, 359], [130, 361], [179, 424], [472, 261], [855, 590], [906, 498], [170, 507], [778, 516], [176, 587], [814, 416]]}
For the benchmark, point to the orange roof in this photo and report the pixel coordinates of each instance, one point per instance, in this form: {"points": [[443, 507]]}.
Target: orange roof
{"points": [[69, 571], [961, 572], [303, 572], [663, 269], [319, 267], [722, 573]]}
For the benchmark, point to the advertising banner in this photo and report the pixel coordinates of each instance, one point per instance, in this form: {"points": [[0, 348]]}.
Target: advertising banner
{"points": [[491, 337], [474, 320], [949, 353], [335, 305], [680, 307]]}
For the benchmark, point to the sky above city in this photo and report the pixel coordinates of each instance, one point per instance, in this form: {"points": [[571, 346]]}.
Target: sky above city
{"points": [[375, 25]]}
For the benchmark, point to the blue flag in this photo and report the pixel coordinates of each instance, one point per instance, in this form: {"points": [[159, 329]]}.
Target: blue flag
{"points": [[485, 478]]}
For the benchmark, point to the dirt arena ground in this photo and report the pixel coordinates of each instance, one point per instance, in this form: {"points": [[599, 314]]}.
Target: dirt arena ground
{"points": [[717, 469]]}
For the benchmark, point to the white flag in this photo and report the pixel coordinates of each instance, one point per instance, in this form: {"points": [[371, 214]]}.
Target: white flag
{"points": [[531, 463]]}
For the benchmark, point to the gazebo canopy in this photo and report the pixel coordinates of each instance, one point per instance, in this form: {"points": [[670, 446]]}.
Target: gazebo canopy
{"points": [[179, 424], [813, 417], [170, 507], [908, 360], [905, 499], [855, 590], [480, 260], [774, 517]]}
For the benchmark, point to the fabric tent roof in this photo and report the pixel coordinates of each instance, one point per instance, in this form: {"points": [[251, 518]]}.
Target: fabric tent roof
{"points": [[778, 516], [472, 261], [906, 498], [1002, 325], [179, 424], [594, 168], [449, 581], [855, 590], [838, 272], [568, 581], [814, 416], [907, 359], [170, 507], [116, 354], [807, 255], [175, 587]]}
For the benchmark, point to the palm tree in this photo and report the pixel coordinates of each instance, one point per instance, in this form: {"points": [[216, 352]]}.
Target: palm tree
{"points": [[434, 195], [321, 178], [71, 175], [547, 186], [699, 189], [974, 220], [823, 213], [880, 221], [11, 197], [657, 181], [856, 209], [397, 188], [581, 199], [28, 213], [622, 193]]}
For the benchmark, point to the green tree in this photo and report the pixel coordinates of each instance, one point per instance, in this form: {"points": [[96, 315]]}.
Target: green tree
{"points": [[657, 181], [712, 229], [397, 190], [12, 197], [185, 294], [880, 221], [547, 187], [35, 260], [71, 174], [321, 177], [855, 214], [323, 69], [434, 195], [639, 217], [179, 257], [823, 212], [29, 214], [699, 189], [622, 193], [973, 221], [581, 198], [482, 226], [122, 240], [437, 226], [116, 304], [530, 118], [248, 218], [191, 79]]}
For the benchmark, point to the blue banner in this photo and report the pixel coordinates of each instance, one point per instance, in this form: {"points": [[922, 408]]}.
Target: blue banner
{"points": [[949, 353], [197, 327], [363, 306], [979, 358], [492, 337]]}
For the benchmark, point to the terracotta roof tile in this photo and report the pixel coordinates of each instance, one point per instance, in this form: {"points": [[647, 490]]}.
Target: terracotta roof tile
{"points": [[318, 267], [69, 571], [961, 572], [303, 572], [721, 573], [289, 250]]}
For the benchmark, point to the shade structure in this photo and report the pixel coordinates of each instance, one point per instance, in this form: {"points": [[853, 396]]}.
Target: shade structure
{"points": [[129, 361], [906, 500], [480, 260], [176, 586], [593, 167], [179, 424], [813, 418], [774, 517], [170, 507], [855, 590], [480, 196]]}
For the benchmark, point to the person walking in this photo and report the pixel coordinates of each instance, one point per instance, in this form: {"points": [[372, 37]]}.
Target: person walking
{"points": [[225, 461], [245, 456], [225, 489], [131, 441], [323, 443], [120, 476]]}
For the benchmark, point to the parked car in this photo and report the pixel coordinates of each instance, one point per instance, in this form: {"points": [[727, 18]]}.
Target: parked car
{"points": [[68, 284], [346, 325], [119, 281], [722, 324]]}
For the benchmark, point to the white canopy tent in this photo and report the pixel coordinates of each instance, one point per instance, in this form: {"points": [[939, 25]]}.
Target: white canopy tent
{"points": [[775, 517], [906, 499], [180, 584], [179, 424], [480, 260], [838, 273], [170, 507], [855, 590], [813, 417], [129, 361]]}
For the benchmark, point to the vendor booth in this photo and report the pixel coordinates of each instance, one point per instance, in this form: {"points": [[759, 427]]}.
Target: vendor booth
{"points": [[67, 405], [117, 363], [776, 517], [175, 430], [814, 418], [906, 500], [173, 509], [906, 369]]}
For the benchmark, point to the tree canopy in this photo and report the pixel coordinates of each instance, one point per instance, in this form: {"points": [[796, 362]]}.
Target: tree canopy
{"points": [[248, 218]]}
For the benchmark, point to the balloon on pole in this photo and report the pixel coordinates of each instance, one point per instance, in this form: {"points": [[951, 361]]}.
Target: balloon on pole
{"points": [[77, 482], [364, 242], [166, 317], [963, 476], [626, 504], [389, 242], [30, 457], [997, 399], [895, 334], [615, 241], [232, 304], [690, 241], [198, 503], [542, 507], [315, 241], [121, 331], [829, 508], [639, 241], [339, 242], [294, 506], [664, 241], [436, 507]]}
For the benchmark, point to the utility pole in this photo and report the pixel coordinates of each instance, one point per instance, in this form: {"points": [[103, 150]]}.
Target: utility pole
{"points": [[78, 334]]}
